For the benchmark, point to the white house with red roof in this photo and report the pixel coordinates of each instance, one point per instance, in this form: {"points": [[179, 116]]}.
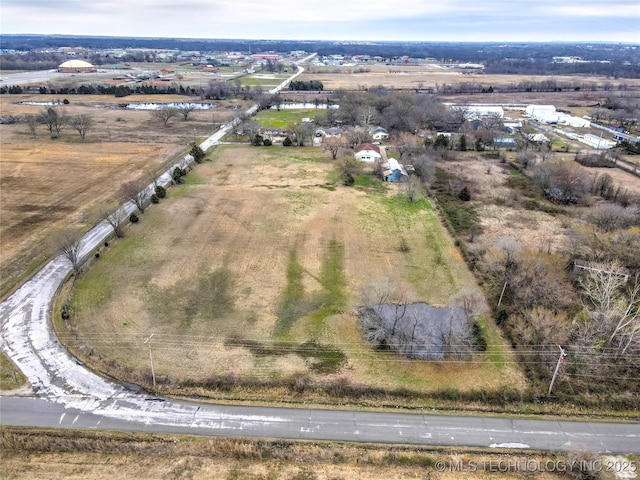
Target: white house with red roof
{"points": [[366, 152]]}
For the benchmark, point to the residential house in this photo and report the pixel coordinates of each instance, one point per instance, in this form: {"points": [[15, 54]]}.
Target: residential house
{"points": [[379, 134], [367, 152], [333, 132]]}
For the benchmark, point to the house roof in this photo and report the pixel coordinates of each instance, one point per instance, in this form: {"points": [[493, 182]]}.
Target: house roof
{"points": [[367, 146]]}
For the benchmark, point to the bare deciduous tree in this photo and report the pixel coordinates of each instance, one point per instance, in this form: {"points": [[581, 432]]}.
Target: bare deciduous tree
{"points": [[614, 309], [54, 120], [32, 122], [358, 135], [68, 243], [82, 124], [610, 217], [185, 109], [333, 145], [404, 142], [165, 114], [304, 132], [537, 333], [114, 217], [136, 192], [349, 167], [414, 189]]}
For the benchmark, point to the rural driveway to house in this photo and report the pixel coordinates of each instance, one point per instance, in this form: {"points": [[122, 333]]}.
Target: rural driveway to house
{"points": [[67, 395]]}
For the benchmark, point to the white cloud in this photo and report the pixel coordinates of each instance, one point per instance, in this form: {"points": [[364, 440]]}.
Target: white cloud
{"points": [[617, 20]]}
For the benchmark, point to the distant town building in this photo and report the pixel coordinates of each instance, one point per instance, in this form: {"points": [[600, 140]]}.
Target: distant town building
{"points": [[76, 66]]}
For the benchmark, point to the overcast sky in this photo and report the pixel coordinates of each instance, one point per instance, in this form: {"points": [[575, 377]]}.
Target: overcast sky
{"points": [[415, 20]]}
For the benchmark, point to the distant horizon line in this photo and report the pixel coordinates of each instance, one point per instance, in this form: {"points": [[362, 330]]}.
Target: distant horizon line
{"points": [[240, 39]]}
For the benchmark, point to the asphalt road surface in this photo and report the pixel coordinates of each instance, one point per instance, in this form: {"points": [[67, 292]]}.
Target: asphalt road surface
{"points": [[181, 417], [67, 395]]}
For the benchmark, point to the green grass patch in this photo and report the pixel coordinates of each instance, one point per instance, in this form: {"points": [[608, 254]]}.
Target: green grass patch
{"points": [[263, 82], [293, 304], [495, 351], [94, 288], [322, 358], [400, 203], [283, 119], [97, 285], [460, 215], [532, 204], [10, 376], [370, 183], [331, 299], [210, 295], [332, 276], [517, 180]]}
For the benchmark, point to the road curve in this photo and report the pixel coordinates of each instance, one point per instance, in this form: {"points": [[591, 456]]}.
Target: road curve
{"points": [[67, 395]]}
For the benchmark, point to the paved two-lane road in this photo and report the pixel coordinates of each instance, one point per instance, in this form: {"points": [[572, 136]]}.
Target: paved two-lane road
{"points": [[154, 416]]}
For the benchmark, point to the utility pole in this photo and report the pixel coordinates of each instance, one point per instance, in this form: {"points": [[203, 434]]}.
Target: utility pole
{"points": [[560, 361], [153, 373], [502, 294]]}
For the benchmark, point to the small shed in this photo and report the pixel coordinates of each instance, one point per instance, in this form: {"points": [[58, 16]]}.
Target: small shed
{"points": [[393, 171]]}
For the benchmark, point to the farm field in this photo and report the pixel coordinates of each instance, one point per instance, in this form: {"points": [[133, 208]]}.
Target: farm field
{"points": [[49, 184], [427, 76], [253, 270]]}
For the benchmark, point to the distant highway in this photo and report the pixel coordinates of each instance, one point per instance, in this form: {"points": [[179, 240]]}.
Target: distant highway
{"points": [[26, 78]]}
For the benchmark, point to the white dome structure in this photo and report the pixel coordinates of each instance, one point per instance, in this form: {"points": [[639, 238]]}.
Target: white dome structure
{"points": [[76, 66]]}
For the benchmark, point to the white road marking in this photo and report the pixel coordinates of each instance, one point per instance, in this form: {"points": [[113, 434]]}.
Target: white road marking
{"points": [[509, 445]]}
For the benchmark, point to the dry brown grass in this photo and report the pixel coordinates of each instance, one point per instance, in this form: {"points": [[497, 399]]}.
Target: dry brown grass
{"points": [[246, 212], [502, 214], [102, 455], [413, 77], [50, 184]]}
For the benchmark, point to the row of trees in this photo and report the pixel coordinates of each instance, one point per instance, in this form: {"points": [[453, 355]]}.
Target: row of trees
{"points": [[314, 85], [56, 120], [68, 242]]}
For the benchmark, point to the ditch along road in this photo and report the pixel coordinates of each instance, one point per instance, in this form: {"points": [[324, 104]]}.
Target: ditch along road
{"points": [[65, 394]]}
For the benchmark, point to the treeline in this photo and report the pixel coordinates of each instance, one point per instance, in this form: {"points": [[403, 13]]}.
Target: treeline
{"points": [[30, 61], [306, 85], [525, 56], [547, 85], [613, 69], [116, 90]]}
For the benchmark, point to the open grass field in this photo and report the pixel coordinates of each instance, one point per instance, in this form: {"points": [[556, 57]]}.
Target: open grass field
{"points": [[284, 119], [48, 184], [254, 269], [264, 79], [427, 76], [102, 455], [10, 377]]}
